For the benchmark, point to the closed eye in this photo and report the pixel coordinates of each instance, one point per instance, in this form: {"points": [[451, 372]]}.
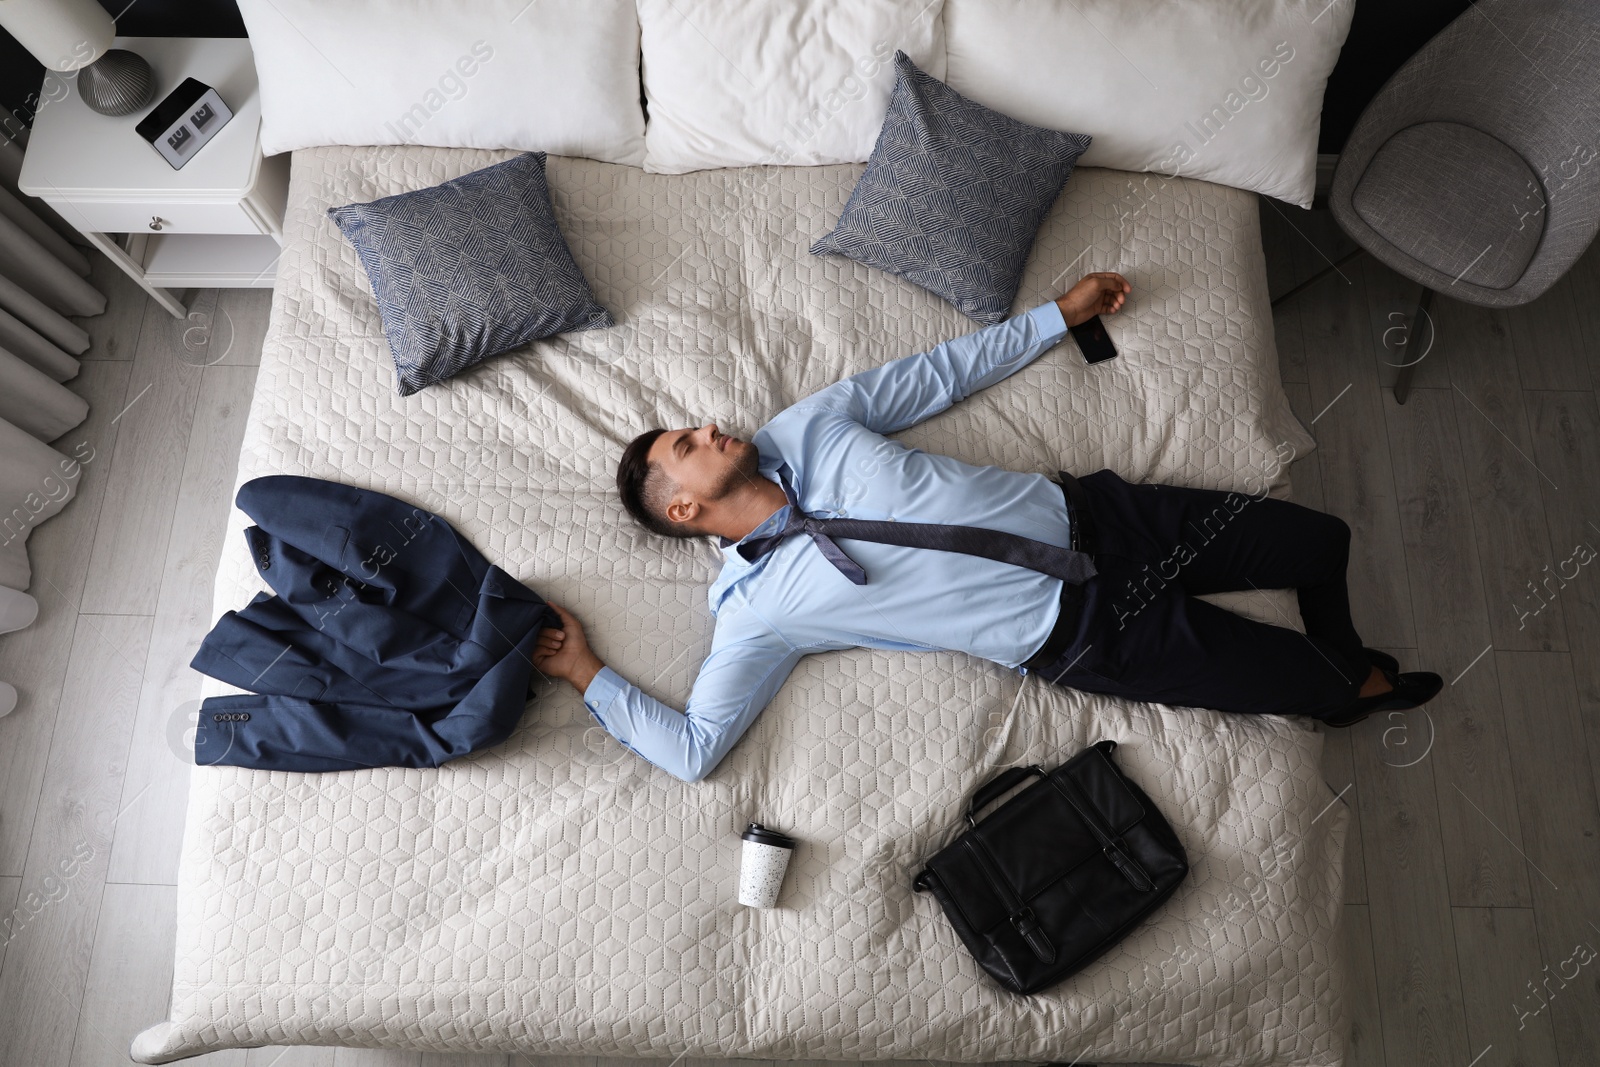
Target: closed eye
{"points": [[681, 446]]}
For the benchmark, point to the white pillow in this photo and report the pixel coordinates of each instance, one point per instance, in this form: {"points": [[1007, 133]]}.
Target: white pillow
{"points": [[1225, 90], [735, 83], [559, 76]]}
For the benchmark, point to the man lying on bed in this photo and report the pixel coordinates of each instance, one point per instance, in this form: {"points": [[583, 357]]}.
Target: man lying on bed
{"points": [[1090, 582]]}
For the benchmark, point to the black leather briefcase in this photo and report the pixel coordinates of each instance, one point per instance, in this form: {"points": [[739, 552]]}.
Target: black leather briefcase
{"points": [[1057, 875]]}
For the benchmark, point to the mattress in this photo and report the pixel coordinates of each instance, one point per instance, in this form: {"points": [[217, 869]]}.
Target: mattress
{"points": [[557, 894]]}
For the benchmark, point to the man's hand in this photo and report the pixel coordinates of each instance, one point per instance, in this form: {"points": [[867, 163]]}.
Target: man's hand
{"points": [[1101, 293], [565, 654]]}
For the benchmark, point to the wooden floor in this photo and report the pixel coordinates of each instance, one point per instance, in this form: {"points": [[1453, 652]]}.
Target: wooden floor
{"points": [[1474, 867]]}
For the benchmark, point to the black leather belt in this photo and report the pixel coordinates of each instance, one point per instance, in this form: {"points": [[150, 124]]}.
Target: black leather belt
{"points": [[1081, 530]]}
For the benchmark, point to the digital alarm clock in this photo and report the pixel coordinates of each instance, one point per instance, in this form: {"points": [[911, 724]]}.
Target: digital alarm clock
{"points": [[189, 117]]}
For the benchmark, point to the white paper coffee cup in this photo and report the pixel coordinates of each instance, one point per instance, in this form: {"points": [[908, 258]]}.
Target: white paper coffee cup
{"points": [[763, 860]]}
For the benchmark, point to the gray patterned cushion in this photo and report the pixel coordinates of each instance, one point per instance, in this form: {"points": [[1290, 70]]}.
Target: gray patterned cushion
{"points": [[1457, 200], [953, 195], [468, 269]]}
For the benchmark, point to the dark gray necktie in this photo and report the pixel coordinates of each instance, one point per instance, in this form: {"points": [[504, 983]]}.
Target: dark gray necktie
{"points": [[1063, 563]]}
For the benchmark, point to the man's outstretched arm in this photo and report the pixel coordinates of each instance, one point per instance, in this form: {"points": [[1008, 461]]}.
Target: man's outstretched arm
{"points": [[906, 391], [738, 680]]}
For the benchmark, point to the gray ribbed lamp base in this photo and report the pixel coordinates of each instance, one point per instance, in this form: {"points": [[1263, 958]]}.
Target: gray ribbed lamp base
{"points": [[118, 83]]}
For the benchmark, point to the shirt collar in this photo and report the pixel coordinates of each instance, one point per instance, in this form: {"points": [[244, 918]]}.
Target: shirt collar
{"points": [[770, 525], [734, 566]]}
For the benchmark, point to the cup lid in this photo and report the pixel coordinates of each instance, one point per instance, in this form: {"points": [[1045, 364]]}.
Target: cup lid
{"points": [[761, 835]]}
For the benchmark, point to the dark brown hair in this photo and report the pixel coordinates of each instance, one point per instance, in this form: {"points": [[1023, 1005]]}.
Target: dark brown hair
{"points": [[645, 487]]}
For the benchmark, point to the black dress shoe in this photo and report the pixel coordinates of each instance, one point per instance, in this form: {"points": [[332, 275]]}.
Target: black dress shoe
{"points": [[1410, 690], [1382, 660]]}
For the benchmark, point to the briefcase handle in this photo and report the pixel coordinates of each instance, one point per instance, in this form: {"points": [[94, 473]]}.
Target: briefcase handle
{"points": [[999, 784]]}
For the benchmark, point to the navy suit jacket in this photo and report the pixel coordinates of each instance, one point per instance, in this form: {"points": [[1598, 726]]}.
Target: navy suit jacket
{"points": [[390, 642]]}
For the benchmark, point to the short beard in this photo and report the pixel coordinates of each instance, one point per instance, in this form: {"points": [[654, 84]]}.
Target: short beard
{"points": [[746, 468]]}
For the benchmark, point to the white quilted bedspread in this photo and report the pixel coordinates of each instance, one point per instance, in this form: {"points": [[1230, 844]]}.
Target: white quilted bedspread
{"points": [[560, 896]]}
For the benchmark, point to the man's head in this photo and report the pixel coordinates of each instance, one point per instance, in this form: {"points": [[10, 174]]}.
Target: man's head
{"points": [[676, 482]]}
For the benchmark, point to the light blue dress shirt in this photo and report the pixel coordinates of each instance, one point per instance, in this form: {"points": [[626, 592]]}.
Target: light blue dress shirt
{"points": [[793, 602]]}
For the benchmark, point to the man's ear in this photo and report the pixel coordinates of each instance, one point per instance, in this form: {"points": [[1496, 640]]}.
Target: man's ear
{"points": [[682, 509]]}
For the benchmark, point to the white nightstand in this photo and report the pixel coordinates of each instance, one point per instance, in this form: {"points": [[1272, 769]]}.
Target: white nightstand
{"points": [[217, 223]]}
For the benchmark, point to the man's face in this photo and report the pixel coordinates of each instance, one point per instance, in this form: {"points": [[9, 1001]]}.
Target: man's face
{"points": [[706, 464]]}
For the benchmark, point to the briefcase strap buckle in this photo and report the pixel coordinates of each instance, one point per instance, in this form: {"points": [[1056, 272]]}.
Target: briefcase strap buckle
{"points": [[1028, 926]]}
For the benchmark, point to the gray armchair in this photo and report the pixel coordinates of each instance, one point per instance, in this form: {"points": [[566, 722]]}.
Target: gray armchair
{"points": [[1475, 171]]}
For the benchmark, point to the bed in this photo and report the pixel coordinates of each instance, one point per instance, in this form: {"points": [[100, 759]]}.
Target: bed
{"points": [[558, 895]]}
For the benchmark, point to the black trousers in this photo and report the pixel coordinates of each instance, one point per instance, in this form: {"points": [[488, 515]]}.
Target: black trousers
{"points": [[1141, 633]]}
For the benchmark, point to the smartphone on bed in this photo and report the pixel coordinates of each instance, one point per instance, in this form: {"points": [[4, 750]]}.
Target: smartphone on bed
{"points": [[1093, 341]]}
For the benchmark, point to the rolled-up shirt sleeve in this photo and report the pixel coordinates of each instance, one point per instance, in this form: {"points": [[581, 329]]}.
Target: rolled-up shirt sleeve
{"points": [[745, 669]]}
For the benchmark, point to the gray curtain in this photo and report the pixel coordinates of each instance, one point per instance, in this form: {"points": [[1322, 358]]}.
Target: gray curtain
{"points": [[43, 280]]}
